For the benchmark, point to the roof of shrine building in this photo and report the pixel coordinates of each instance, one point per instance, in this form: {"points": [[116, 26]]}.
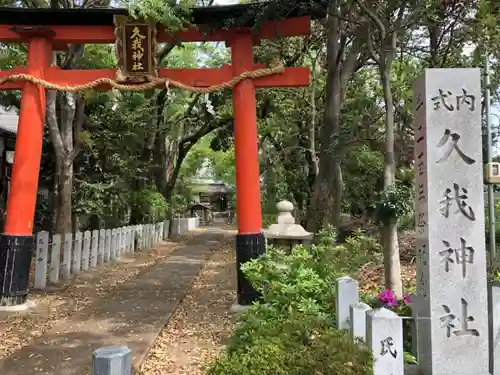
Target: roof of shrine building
{"points": [[201, 15]]}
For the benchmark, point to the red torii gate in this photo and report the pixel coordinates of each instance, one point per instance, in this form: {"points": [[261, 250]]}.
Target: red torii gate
{"points": [[46, 30]]}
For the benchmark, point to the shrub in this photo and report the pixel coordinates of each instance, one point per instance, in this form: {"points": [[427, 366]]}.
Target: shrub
{"points": [[299, 280], [293, 331], [295, 345]]}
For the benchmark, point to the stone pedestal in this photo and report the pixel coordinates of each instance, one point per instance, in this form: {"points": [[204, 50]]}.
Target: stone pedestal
{"points": [[285, 232]]}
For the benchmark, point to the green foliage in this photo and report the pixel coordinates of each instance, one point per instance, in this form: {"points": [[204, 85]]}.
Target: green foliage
{"points": [[106, 202], [410, 358], [224, 164], [110, 171], [220, 162], [493, 267], [300, 280], [359, 239], [394, 203], [97, 56], [151, 204], [363, 170], [294, 346], [12, 56], [268, 219], [293, 332], [405, 177], [173, 14], [179, 202], [43, 213]]}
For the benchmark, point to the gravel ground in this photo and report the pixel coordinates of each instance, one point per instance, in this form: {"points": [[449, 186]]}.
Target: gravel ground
{"points": [[202, 322], [371, 276]]}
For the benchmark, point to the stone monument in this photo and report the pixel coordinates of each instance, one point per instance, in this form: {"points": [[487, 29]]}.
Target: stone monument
{"points": [[451, 257], [285, 232], [384, 336]]}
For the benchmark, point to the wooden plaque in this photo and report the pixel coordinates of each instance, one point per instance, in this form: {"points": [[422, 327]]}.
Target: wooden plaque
{"points": [[135, 48]]}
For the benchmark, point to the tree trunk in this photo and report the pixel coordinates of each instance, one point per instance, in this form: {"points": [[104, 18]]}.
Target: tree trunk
{"points": [[160, 161], [389, 233], [344, 56], [64, 204], [389, 166], [314, 162], [392, 265], [71, 113], [327, 193], [312, 155], [327, 186], [384, 57], [271, 183], [55, 193], [183, 151]]}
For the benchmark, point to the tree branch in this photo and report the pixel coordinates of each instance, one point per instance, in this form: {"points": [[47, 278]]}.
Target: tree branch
{"points": [[373, 16], [371, 48], [213, 125], [350, 65], [165, 51]]}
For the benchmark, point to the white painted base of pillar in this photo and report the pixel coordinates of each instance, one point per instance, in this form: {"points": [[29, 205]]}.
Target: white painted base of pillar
{"points": [[25, 307], [236, 308]]}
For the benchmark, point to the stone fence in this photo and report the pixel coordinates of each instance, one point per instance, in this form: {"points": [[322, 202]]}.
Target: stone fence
{"points": [[59, 257], [382, 329], [184, 224]]}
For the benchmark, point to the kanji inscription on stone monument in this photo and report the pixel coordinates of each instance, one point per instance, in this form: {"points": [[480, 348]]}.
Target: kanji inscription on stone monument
{"points": [[451, 261], [384, 336], [388, 347]]}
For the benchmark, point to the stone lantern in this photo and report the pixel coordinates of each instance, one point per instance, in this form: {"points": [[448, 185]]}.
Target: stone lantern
{"points": [[285, 232]]}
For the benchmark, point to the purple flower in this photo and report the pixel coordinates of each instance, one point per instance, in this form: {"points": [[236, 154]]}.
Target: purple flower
{"points": [[387, 298], [407, 298]]}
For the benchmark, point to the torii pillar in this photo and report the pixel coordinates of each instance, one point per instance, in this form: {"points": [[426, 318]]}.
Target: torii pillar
{"points": [[250, 240], [17, 241]]}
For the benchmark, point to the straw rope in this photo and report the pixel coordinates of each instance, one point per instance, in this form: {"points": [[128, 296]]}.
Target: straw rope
{"points": [[151, 83]]}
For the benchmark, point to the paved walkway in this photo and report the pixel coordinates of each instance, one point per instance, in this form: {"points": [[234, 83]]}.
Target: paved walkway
{"points": [[132, 315]]}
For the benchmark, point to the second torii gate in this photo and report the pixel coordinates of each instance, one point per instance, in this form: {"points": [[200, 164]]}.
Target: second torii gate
{"points": [[46, 30]]}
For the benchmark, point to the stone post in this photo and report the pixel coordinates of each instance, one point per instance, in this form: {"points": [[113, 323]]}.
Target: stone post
{"points": [[42, 259], [357, 320], [76, 264], [112, 360], [67, 251], [94, 248], [55, 258], [384, 336], [347, 295]]}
